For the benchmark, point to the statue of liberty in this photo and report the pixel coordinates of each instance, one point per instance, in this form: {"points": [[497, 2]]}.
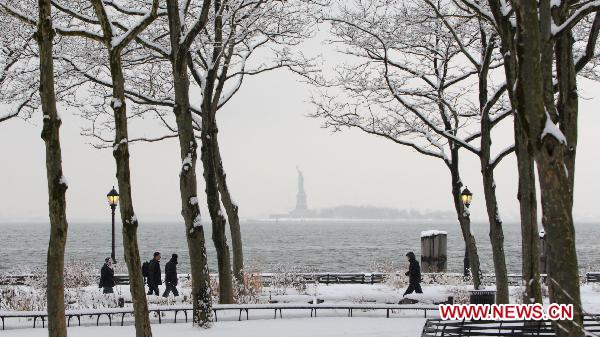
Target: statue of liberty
{"points": [[301, 205]]}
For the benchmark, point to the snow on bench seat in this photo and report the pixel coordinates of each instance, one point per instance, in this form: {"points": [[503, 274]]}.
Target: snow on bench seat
{"points": [[108, 312]]}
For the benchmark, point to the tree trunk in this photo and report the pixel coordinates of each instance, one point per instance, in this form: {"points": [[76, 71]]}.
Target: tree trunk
{"points": [[57, 186], [530, 267], [130, 222], [526, 189], [208, 135], [465, 223], [550, 150], [487, 172], [491, 203], [232, 215], [568, 100], [496, 233], [188, 185]]}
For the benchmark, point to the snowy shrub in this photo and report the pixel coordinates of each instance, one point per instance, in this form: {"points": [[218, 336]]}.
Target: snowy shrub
{"points": [[214, 286], [249, 292], [393, 274], [397, 280], [447, 279], [460, 294], [291, 277], [21, 299], [251, 289], [79, 274]]}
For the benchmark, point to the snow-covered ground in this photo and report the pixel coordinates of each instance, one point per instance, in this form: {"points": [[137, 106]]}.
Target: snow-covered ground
{"points": [[293, 327], [294, 323]]}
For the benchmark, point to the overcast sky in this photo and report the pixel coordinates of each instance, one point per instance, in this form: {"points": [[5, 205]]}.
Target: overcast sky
{"points": [[264, 134]]}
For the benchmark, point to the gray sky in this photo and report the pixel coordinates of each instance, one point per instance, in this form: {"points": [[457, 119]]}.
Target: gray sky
{"points": [[264, 134]]}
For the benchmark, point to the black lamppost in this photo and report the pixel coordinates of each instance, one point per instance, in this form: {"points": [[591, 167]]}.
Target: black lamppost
{"points": [[466, 196], [113, 200]]}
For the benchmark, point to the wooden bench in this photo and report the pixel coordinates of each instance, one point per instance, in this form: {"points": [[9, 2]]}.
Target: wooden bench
{"points": [[277, 307], [592, 277], [441, 328]]}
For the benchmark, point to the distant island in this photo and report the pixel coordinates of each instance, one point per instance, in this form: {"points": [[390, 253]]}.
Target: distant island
{"points": [[301, 211]]}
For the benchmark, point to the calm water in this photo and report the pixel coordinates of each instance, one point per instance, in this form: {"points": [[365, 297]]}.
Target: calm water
{"points": [[324, 245]]}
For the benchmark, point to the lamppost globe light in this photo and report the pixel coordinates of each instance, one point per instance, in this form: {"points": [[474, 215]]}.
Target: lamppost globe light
{"points": [[466, 196], [113, 197]]}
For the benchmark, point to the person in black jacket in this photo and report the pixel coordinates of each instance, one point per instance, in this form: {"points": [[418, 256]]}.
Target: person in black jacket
{"points": [[171, 277], [107, 277], [414, 275], [154, 279]]}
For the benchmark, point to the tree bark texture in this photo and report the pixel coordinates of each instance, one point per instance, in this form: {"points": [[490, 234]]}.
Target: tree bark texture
{"points": [[232, 215], [57, 186], [121, 155], [535, 111], [188, 184], [526, 181], [465, 222]]}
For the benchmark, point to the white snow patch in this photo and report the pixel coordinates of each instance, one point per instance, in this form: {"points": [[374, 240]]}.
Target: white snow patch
{"points": [[187, 162], [432, 232], [542, 233], [116, 146], [194, 201], [63, 181], [116, 103], [551, 129], [290, 327]]}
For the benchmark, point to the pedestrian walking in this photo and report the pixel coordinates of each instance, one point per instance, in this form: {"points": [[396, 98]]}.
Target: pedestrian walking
{"points": [[171, 277], [154, 278], [107, 277], [414, 275]]}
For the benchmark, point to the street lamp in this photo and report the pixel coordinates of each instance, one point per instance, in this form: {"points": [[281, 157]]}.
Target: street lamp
{"points": [[113, 200], [466, 196]]}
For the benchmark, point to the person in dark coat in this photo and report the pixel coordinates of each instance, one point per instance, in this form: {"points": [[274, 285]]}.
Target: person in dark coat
{"points": [[171, 277], [107, 277], [414, 275], [154, 279]]}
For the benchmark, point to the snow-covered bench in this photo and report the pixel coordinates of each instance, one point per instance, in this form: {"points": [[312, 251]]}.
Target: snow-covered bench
{"points": [[276, 307], [592, 277], [466, 328], [279, 307]]}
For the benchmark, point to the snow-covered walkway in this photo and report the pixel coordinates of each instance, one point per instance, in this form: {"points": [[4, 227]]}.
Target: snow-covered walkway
{"points": [[293, 327]]}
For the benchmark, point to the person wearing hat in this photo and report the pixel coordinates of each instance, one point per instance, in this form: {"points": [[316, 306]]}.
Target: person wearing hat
{"points": [[154, 278], [414, 275], [107, 277], [171, 277]]}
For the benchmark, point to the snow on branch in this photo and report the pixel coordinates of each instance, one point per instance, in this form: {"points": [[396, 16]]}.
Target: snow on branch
{"points": [[505, 152], [575, 17]]}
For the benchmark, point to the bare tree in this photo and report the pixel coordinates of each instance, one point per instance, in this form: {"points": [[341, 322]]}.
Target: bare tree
{"points": [[219, 65], [536, 41], [115, 44], [413, 88], [57, 184], [243, 27], [181, 41], [483, 58], [77, 21], [19, 79], [552, 145]]}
